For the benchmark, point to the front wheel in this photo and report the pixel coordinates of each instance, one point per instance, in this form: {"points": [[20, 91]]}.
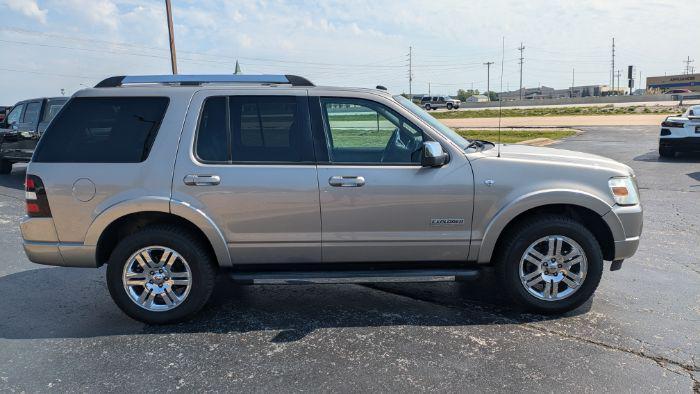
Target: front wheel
{"points": [[427, 107], [550, 265], [160, 275], [449, 106]]}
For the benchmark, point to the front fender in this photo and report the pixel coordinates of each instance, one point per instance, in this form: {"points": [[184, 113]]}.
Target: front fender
{"points": [[534, 200]]}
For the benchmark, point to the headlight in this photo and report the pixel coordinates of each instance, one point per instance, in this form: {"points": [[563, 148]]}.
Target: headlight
{"points": [[624, 190]]}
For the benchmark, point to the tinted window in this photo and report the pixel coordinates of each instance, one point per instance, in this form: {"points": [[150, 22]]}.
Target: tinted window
{"points": [[103, 130], [52, 108], [362, 131], [31, 113], [212, 138], [254, 129], [14, 115]]}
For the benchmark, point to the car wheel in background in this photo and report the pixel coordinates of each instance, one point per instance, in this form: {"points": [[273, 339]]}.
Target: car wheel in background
{"points": [[160, 275], [666, 152], [427, 107], [550, 265], [5, 166], [449, 105]]}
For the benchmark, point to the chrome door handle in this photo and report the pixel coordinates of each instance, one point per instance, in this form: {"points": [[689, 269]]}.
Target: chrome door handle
{"points": [[202, 180], [346, 181]]}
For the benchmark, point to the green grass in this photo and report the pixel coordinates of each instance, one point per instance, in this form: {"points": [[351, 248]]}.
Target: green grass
{"points": [[555, 111], [512, 136]]}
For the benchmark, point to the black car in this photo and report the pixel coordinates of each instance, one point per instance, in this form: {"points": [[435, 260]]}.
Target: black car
{"points": [[21, 129]]}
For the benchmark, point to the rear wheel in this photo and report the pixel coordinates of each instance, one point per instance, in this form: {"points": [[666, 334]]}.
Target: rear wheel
{"points": [[427, 107], [552, 264], [5, 166], [449, 106], [160, 275], [665, 151]]}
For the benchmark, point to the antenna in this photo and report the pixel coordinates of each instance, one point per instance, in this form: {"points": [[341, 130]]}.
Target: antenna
{"points": [[500, 99]]}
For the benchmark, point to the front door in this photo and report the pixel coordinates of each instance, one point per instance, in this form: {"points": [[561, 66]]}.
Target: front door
{"points": [[377, 203], [247, 162]]}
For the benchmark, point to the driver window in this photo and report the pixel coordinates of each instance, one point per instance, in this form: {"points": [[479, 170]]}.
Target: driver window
{"points": [[362, 131], [14, 116]]}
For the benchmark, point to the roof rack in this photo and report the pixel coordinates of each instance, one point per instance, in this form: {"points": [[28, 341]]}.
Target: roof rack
{"points": [[180, 79]]}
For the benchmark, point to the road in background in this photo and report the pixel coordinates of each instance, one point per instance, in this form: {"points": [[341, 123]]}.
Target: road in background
{"points": [[59, 330]]}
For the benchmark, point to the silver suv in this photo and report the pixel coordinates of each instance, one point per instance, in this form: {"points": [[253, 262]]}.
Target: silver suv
{"points": [[170, 180]]}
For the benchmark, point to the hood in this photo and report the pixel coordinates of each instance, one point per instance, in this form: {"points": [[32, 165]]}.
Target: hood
{"points": [[559, 156]]}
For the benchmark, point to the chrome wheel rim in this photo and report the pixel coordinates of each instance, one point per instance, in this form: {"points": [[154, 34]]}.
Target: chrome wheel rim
{"points": [[553, 268], [157, 278]]}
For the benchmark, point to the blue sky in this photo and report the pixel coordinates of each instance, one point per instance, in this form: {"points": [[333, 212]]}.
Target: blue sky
{"points": [[49, 45]]}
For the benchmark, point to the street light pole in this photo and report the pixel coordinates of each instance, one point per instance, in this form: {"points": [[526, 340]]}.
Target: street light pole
{"points": [[173, 58]]}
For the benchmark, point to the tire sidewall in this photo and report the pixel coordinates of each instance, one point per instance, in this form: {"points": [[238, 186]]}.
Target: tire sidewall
{"points": [[510, 266], [196, 258]]}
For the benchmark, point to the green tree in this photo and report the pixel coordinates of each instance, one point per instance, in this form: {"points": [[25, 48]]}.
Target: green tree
{"points": [[464, 94]]}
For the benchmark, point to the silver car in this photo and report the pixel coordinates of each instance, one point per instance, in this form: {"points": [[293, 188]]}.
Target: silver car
{"points": [[170, 180]]}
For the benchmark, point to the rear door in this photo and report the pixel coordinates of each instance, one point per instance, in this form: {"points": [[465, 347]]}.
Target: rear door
{"points": [[246, 161], [377, 203]]}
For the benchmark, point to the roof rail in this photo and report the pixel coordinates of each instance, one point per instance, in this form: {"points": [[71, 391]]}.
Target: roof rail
{"points": [[181, 79]]}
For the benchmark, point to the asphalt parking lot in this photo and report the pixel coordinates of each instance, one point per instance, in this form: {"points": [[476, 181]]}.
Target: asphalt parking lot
{"points": [[59, 329]]}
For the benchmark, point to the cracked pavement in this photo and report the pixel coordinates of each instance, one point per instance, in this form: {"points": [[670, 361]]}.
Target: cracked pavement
{"points": [[59, 330]]}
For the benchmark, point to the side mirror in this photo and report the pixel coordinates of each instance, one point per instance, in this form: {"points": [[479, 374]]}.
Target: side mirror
{"points": [[432, 155]]}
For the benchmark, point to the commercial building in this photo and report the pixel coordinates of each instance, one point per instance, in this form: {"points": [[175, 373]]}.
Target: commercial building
{"points": [[477, 98], [671, 82], [545, 92]]}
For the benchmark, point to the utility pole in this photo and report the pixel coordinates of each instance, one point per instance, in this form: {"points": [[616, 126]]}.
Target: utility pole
{"points": [[612, 69], [573, 75], [521, 49], [488, 79], [688, 68], [640, 79], [410, 72], [618, 78], [429, 89], [173, 58]]}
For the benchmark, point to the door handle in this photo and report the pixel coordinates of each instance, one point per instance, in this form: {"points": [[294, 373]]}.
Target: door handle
{"points": [[346, 181], [202, 180]]}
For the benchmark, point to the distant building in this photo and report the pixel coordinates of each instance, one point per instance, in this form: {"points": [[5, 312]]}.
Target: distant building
{"points": [[671, 82], [477, 98], [545, 92]]}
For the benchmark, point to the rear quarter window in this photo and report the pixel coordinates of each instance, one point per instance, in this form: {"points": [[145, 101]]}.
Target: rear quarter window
{"points": [[103, 130]]}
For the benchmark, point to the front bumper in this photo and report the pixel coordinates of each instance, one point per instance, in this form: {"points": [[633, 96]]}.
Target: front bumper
{"points": [[625, 223]]}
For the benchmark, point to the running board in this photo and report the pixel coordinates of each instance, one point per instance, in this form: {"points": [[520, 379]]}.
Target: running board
{"points": [[366, 276]]}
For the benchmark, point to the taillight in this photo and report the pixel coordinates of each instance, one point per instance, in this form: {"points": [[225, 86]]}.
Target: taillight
{"points": [[35, 194], [669, 123]]}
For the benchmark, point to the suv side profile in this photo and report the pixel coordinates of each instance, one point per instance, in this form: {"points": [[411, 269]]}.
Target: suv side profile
{"points": [[170, 180], [436, 102]]}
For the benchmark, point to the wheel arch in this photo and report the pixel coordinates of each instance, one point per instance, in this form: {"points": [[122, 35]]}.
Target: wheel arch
{"points": [[123, 218], [586, 208]]}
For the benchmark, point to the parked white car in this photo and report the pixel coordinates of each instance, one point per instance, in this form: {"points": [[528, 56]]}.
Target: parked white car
{"points": [[680, 133]]}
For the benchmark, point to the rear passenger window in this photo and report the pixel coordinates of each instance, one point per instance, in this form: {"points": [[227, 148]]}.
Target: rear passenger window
{"points": [[255, 129], [31, 114], [52, 108], [103, 130]]}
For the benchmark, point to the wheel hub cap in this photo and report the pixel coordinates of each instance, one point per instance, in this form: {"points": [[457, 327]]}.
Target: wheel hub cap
{"points": [[553, 267], [157, 278]]}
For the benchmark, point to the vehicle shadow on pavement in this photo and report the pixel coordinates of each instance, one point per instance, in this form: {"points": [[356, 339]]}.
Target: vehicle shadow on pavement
{"points": [[74, 303], [682, 157]]}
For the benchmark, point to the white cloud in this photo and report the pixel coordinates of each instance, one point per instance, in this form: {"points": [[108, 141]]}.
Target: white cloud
{"points": [[27, 8], [97, 12]]}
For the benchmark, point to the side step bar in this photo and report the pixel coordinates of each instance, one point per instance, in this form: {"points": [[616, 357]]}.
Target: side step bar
{"points": [[365, 276]]}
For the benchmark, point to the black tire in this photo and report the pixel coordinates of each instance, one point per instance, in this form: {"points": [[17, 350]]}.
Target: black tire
{"points": [[5, 166], [522, 236], [197, 255], [427, 107], [667, 152], [449, 106]]}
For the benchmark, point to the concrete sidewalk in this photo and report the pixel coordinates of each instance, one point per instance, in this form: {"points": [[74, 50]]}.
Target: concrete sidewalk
{"points": [[559, 121]]}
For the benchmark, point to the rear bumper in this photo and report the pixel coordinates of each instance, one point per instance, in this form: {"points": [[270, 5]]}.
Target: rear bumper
{"points": [[41, 246], [681, 144]]}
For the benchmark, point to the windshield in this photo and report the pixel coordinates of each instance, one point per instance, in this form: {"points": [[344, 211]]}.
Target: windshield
{"points": [[436, 124]]}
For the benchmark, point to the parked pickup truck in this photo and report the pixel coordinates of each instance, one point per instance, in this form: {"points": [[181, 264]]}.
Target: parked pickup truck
{"points": [[21, 129]]}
